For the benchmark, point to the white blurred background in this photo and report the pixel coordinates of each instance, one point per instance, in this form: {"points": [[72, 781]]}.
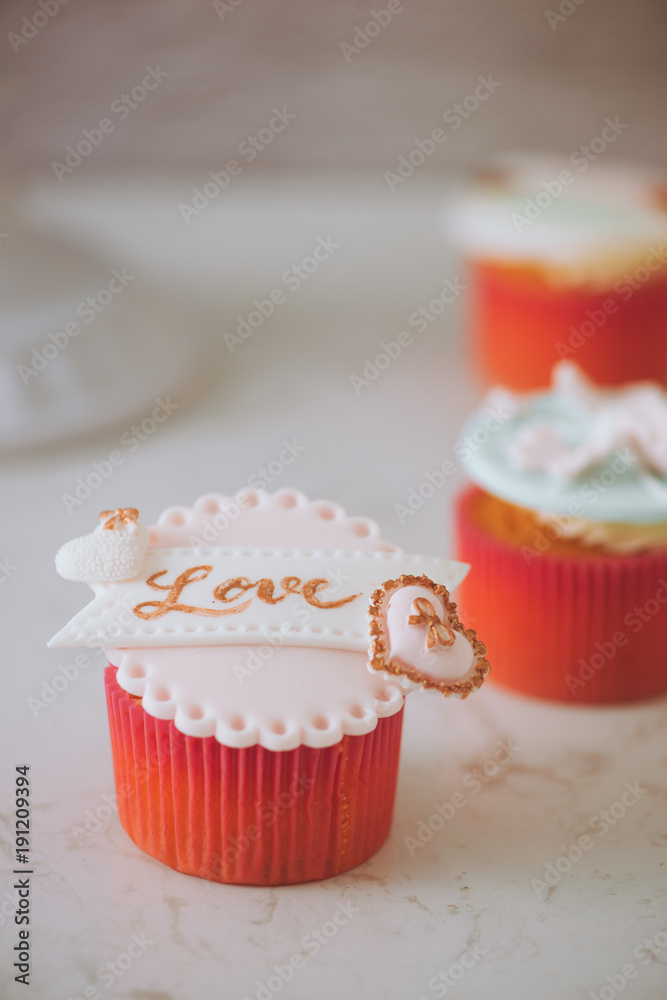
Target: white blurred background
{"points": [[109, 171], [561, 75]]}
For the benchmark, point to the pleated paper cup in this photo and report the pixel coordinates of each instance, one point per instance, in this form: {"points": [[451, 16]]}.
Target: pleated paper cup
{"points": [[522, 324], [250, 816], [577, 629]]}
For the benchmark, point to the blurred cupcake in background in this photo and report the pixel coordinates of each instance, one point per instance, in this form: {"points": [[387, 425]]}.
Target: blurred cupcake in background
{"points": [[566, 530], [566, 259]]}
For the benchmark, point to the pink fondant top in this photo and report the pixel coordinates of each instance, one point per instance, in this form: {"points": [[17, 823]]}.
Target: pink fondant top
{"points": [[276, 696], [249, 618], [279, 520]]}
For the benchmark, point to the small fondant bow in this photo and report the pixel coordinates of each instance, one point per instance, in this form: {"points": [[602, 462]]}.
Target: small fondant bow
{"points": [[121, 515], [438, 633]]}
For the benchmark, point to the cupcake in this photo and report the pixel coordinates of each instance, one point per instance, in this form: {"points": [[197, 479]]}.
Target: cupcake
{"points": [[568, 522], [260, 650], [565, 261]]}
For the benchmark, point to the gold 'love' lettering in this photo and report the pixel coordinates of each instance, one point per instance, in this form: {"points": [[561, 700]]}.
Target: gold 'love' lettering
{"points": [[231, 590]]}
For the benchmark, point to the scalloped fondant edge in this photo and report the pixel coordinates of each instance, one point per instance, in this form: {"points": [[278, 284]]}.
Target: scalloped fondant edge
{"points": [[254, 733], [177, 516]]}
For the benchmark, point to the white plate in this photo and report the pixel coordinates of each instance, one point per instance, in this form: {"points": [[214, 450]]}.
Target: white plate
{"points": [[131, 346]]}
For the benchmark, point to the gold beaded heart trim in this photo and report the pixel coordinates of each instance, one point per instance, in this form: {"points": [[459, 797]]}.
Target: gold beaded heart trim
{"points": [[437, 633]]}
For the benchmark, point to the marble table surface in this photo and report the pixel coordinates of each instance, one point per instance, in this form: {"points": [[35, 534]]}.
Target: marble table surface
{"points": [[491, 899]]}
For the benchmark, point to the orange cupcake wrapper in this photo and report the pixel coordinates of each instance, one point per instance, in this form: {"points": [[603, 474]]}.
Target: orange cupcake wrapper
{"points": [[573, 629], [251, 816], [518, 322]]}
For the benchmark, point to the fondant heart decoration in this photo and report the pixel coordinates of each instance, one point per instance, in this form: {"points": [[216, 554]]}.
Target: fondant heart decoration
{"points": [[416, 637], [115, 550]]}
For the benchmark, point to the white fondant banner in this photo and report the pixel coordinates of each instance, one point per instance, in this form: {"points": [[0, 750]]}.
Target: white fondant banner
{"points": [[214, 596]]}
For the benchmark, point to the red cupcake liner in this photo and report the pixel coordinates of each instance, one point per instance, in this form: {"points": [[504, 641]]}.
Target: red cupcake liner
{"points": [[578, 629], [250, 816], [518, 322]]}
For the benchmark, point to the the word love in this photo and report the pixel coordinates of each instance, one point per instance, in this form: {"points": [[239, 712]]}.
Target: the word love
{"points": [[232, 592]]}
